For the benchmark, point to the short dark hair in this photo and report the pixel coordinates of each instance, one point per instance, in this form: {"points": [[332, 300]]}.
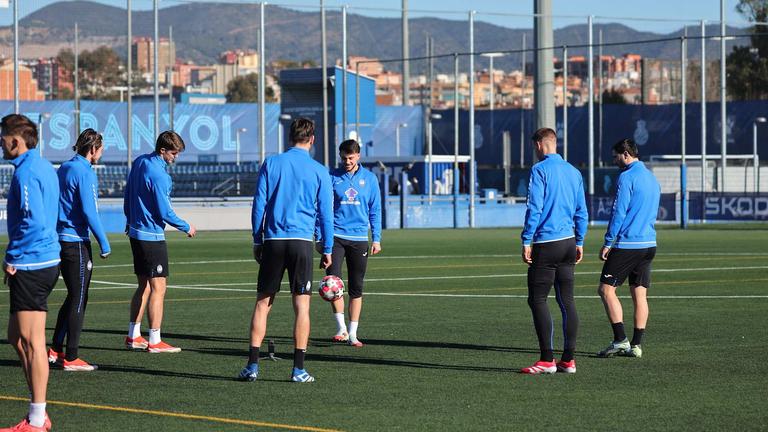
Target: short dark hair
{"points": [[302, 129], [626, 145], [169, 140], [542, 134], [349, 146], [88, 139], [20, 125]]}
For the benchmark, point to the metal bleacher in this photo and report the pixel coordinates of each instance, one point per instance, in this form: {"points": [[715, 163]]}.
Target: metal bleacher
{"points": [[189, 180]]}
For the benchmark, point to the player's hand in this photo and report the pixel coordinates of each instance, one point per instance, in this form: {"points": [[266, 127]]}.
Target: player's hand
{"points": [[192, 231], [579, 253], [604, 253], [526, 254], [10, 270], [105, 255], [257, 249], [325, 261], [375, 248], [127, 229], [319, 247]]}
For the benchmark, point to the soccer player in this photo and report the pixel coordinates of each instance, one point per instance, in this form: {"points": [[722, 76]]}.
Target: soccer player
{"points": [[629, 248], [32, 258], [553, 239], [147, 208], [78, 211], [356, 208], [292, 191]]}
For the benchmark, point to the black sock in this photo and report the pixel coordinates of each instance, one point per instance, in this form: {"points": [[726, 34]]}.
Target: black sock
{"points": [[567, 355], [547, 356], [618, 332], [637, 338], [253, 356], [298, 358]]}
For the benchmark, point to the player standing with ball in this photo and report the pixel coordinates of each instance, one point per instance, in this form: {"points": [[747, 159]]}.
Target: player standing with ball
{"points": [[356, 209], [292, 191]]}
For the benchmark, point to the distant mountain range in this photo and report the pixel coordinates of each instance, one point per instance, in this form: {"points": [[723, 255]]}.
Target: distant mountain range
{"points": [[203, 30]]}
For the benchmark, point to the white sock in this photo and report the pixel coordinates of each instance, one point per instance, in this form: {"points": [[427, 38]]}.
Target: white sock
{"points": [[154, 336], [37, 414], [340, 326], [134, 330], [353, 329]]}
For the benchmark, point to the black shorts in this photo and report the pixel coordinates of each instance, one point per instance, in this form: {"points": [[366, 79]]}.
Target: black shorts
{"points": [[280, 255], [635, 263], [356, 254], [30, 289], [150, 258]]}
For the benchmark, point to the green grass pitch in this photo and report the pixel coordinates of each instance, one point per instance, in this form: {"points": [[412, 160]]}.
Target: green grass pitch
{"points": [[446, 327]]}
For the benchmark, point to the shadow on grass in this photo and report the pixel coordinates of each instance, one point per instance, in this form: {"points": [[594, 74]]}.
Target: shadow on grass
{"points": [[172, 336]]}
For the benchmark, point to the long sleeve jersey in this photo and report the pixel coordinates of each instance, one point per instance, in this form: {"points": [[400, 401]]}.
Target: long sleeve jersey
{"points": [[356, 205], [292, 192], [79, 205], [33, 207], [557, 208], [147, 203], [635, 208]]}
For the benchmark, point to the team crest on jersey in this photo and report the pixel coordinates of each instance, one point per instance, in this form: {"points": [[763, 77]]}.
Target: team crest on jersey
{"points": [[351, 193]]}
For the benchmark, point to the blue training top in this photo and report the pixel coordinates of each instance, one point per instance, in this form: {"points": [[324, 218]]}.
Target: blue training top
{"points": [[635, 208], [33, 207], [79, 205], [356, 205], [147, 203], [292, 191], [556, 203]]}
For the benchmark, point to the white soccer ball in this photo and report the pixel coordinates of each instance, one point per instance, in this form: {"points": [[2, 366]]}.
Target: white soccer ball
{"points": [[331, 288]]}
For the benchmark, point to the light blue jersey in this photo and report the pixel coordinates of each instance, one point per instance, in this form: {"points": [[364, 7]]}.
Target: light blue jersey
{"points": [[293, 191], [78, 204], [635, 208], [33, 209], [147, 203], [356, 205], [557, 208]]}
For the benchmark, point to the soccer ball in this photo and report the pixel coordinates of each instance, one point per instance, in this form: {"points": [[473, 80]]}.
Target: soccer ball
{"points": [[331, 288]]}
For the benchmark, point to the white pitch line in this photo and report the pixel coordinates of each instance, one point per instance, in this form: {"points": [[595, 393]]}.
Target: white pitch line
{"points": [[386, 257]]}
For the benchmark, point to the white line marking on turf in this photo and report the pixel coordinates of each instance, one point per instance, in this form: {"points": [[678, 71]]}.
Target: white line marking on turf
{"points": [[385, 257]]}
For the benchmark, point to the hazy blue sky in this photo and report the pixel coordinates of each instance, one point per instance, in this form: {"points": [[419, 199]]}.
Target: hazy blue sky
{"points": [[690, 10]]}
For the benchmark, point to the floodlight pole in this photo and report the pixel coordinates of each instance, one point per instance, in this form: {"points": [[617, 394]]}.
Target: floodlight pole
{"points": [[723, 116], [16, 108], [262, 85], [455, 140], [471, 164], [565, 102], [324, 56], [522, 110], [406, 55], [169, 77], [703, 112], [683, 166], [155, 69], [344, 72], [129, 70], [77, 83], [357, 102], [591, 99]]}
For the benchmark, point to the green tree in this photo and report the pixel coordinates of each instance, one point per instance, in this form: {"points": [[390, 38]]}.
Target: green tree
{"points": [[98, 72], [747, 66], [244, 89]]}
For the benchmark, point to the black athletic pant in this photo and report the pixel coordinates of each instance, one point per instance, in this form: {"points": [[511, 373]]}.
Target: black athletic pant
{"points": [[76, 269], [356, 254], [553, 263]]}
